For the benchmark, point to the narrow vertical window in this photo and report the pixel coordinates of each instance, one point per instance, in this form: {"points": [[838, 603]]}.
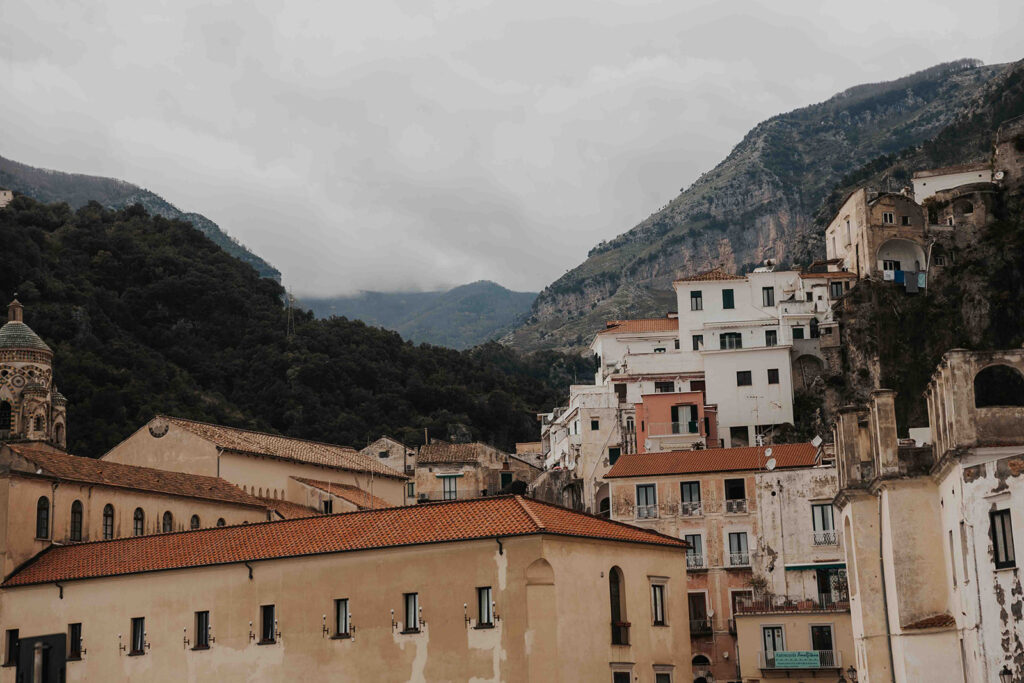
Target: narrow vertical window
{"points": [[658, 604], [698, 342], [773, 375], [43, 517], [341, 618], [74, 641], [268, 625], [168, 522], [11, 647], [768, 296], [646, 501], [202, 635], [108, 522], [327, 506], [412, 618], [76, 521], [616, 591], [1002, 539], [484, 607], [194, 522], [696, 301], [728, 299], [139, 522], [138, 636], [450, 487]]}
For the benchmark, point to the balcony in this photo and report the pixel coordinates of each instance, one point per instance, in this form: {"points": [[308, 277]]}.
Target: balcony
{"points": [[838, 601], [696, 561], [736, 506], [701, 627], [799, 660], [441, 495], [671, 428], [739, 559], [647, 511], [691, 509], [825, 538]]}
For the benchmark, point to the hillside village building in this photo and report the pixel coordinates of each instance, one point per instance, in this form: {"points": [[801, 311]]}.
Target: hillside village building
{"points": [[6, 197], [456, 471], [943, 600], [501, 588], [392, 453]]}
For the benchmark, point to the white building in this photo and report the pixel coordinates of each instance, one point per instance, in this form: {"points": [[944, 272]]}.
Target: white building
{"points": [[927, 183]]}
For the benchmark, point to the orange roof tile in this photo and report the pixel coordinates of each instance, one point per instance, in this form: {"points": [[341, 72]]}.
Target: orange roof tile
{"points": [[442, 452], [641, 325], [712, 460], [711, 275], [353, 494], [289, 510], [117, 475], [447, 522], [284, 447], [936, 621]]}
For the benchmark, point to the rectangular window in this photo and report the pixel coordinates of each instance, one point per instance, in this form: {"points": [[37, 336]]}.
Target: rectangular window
{"points": [[1002, 539], [771, 337], [888, 218], [904, 220], [735, 490], [410, 489], [696, 301], [659, 349], [412, 613], [773, 375], [646, 501], [450, 487], [952, 559], [773, 639], [328, 506], [484, 607], [662, 678], [835, 289], [738, 555], [268, 624], [382, 454], [730, 340], [675, 342], [595, 425], [728, 299], [739, 437], [202, 638], [890, 264], [11, 647], [664, 387], [622, 677], [138, 636], [74, 641], [698, 342], [821, 638], [768, 296], [689, 491], [695, 551], [823, 522], [613, 454], [798, 332], [506, 479], [658, 603], [743, 378], [341, 617]]}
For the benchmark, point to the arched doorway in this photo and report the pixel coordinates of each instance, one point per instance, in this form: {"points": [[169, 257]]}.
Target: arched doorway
{"points": [[701, 669], [899, 255]]}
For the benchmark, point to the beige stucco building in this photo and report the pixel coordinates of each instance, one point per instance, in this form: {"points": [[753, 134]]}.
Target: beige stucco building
{"points": [[454, 471], [502, 588]]}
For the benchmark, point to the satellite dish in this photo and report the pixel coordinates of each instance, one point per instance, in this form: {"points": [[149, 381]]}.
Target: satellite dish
{"points": [[770, 465], [816, 441], [999, 175], [768, 452]]}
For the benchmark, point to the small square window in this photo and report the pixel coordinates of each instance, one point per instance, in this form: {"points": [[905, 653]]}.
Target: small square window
{"points": [[904, 220], [743, 378], [798, 332], [595, 425], [773, 376]]}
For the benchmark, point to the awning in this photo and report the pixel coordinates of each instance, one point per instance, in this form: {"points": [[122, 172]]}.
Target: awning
{"points": [[815, 565]]}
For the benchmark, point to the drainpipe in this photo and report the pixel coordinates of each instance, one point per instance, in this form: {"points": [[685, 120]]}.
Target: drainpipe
{"points": [[885, 594]]}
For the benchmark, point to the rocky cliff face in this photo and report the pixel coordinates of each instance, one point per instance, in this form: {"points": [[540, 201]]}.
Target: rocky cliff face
{"points": [[759, 203]]}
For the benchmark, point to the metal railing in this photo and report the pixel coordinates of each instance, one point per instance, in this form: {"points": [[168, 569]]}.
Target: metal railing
{"points": [[830, 537], [691, 509], [668, 428], [647, 511], [700, 627], [775, 604], [809, 659], [696, 561], [736, 506], [739, 559], [441, 495]]}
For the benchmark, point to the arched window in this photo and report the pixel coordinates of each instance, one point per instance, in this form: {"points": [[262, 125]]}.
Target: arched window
{"points": [[701, 660], [5, 416], [604, 507], [76, 521], [966, 207], [998, 385], [139, 522], [43, 517], [37, 424], [108, 521], [617, 591], [58, 434], [194, 523], [220, 522], [168, 522], [260, 492]]}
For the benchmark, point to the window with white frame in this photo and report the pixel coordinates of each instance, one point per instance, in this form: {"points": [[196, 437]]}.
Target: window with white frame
{"points": [[823, 520], [888, 218], [646, 501], [694, 551], [450, 487], [739, 556], [484, 607], [658, 600], [341, 618]]}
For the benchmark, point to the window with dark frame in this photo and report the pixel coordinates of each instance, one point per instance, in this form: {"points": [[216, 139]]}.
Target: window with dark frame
{"points": [[410, 489], [616, 590], [904, 220], [221, 522], [768, 296], [139, 522], [835, 289], [696, 301], [698, 342], [327, 506], [743, 378], [798, 332], [11, 647], [662, 677], [168, 522], [773, 375], [730, 340], [1002, 539], [613, 454], [771, 337], [664, 387], [484, 607], [74, 641], [658, 604], [43, 517], [412, 619], [138, 644], [194, 522], [595, 425], [506, 479], [341, 618], [201, 639], [76, 521], [268, 623], [646, 501], [728, 299]]}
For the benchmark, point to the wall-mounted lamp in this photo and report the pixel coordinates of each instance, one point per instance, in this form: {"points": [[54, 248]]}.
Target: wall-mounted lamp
{"points": [[393, 624], [252, 636], [120, 645], [324, 630], [422, 623], [465, 614], [184, 638]]}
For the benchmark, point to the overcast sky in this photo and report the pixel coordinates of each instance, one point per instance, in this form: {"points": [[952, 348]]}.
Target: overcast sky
{"points": [[415, 144]]}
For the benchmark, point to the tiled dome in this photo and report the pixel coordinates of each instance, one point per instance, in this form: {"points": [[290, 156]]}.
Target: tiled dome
{"points": [[18, 335]]}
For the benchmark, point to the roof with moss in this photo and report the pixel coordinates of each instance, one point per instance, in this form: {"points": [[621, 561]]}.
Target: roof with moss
{"points": [[17, 335]]}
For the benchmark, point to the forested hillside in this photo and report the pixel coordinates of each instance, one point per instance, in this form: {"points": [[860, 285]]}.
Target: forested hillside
{"points": [[147, 315]]}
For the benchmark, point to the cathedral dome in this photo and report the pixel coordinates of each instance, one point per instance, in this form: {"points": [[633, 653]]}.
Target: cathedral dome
{"points": [[15, 334]]}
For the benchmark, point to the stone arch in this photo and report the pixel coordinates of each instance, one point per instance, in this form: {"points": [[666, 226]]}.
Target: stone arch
{"points": [[700, 660], [540, 573], [604, 501], [998, 385], [806, 369], [907, 254]]}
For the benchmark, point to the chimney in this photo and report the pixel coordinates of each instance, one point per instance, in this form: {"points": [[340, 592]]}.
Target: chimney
{"points": [[14, 312]]}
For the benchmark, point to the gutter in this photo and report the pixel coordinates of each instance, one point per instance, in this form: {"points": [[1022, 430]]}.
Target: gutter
{"points": [[885, 594]]}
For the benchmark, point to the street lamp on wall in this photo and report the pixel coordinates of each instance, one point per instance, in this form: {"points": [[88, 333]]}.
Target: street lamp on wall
{"points": [[851, 673]]}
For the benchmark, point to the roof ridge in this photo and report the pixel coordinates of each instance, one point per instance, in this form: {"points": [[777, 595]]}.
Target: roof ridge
{"points": [[530, 513], [256, 431]]}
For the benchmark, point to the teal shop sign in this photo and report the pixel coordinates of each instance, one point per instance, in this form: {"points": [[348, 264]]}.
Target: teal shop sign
{"points": [[797, 659]]}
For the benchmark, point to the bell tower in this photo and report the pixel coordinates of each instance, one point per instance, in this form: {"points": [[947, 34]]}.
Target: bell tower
{"points": [[31, 407]]}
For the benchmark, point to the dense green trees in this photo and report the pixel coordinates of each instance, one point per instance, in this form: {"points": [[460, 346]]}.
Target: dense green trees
{"points": [[147, 315]]}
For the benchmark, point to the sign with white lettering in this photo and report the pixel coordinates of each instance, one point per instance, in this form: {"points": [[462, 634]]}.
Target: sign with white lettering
{"points": [[797, 659]]}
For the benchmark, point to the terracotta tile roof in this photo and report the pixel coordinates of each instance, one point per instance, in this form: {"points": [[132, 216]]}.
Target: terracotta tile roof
{"points": [[641, 325], [936, 621], [712, 460], [353, 494], [114, 474], [286, 448], [447, 522], [711, 275], [444, 452], [289, 510], [837, 273]]}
